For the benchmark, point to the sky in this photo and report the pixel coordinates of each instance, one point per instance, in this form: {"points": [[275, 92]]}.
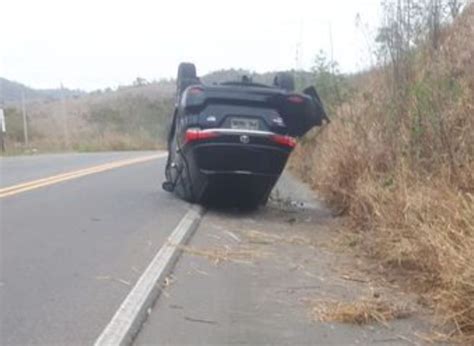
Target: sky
{"points": [[94, 44]]}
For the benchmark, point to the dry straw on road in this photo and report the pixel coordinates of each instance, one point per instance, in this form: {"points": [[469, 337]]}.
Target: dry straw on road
{"points": [[358, 312], [219, 254]]}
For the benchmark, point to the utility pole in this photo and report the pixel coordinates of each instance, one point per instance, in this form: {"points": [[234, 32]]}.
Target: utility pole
{"points": [[299, 48], [64, 118], [298, 57], [25, 119], [331, 47], [333, 65]]}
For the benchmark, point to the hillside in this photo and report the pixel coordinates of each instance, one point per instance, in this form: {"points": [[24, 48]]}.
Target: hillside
{"points": [[131, 117], [11, 92], [397, 162]]}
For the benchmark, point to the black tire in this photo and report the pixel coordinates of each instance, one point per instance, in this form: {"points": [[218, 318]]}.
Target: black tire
{"points": [[285, 81], [265, 199], [186, 76], [184, 188], [186, 70]]}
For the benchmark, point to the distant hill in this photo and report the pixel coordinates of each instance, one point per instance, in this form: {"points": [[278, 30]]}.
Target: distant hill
{"points": [[11, 92]]}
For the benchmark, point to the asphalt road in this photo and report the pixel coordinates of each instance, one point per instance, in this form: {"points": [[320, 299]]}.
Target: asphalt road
{"points": [[72, 250], [73, 246]]}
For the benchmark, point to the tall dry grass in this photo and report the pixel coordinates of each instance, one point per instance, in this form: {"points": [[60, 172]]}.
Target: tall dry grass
{"points": [[404, 172]]}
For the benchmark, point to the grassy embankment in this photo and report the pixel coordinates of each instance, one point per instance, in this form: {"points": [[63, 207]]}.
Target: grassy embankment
{"points": [[398, 161]]}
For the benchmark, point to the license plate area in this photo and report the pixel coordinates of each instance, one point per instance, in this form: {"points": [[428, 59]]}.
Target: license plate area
{"points": [[244, 124]]}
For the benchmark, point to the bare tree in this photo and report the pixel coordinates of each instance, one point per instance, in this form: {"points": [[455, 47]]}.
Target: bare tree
{"points": [[434, 19], [407, 23], [454, 7]]}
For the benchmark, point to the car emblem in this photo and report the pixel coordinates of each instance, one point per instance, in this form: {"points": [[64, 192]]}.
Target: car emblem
{"points": [[244, 139], [278, 121]]}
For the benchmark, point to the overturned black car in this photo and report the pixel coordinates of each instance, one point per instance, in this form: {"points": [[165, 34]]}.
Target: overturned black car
{"points": [[229, 143]]}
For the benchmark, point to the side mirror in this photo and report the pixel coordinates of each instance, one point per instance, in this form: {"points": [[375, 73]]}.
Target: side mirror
{"points": [[168, 186]]}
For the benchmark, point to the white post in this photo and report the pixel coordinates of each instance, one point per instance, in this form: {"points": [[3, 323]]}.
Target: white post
{"points": [[3, 130]]}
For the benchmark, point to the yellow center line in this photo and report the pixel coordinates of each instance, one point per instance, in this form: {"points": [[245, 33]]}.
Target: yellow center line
{"points": [[34, 184]]}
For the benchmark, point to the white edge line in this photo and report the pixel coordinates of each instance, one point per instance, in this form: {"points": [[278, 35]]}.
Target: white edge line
{"points": [[133, 311]]}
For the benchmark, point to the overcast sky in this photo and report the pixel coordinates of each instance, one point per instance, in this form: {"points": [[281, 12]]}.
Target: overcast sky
{"points": [[91, 44]]}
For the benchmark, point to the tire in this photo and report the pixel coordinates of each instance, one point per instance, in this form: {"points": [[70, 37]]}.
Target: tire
{"points": [[265, 199], [285, 81], [186, 76], [186, 70], [184, 188]]}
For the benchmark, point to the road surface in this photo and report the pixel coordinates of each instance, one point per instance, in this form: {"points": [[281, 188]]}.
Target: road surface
{"points": [[72, 250], [81, 233]]}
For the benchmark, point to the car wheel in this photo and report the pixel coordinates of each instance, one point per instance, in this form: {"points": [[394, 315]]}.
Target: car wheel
{"points": [[186, 76], [265, 199], [285, 81]]}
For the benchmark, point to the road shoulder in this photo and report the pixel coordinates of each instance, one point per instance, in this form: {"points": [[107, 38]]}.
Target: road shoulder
{"points": [[273, 277]]}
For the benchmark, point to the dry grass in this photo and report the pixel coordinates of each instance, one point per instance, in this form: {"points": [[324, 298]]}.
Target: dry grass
{"points": [[360, 312], [218, 255], [404, 174], [259, 237]]}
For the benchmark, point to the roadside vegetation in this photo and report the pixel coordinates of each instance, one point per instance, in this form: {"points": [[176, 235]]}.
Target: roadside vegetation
{"points": [[398, 158], [130, 118]]}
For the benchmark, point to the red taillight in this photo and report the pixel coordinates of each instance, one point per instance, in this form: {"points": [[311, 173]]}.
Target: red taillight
{"points": [[295, 99], [198, 135], [195, 91], [287, 141]]}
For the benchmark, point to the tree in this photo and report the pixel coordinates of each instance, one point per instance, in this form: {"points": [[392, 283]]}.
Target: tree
{"points": [[329, 82], [406, 23], [454, 7], [139, 81]]}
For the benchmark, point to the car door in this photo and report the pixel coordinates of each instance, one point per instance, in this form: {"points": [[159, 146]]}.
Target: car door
{"points": [[301, 112]]}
